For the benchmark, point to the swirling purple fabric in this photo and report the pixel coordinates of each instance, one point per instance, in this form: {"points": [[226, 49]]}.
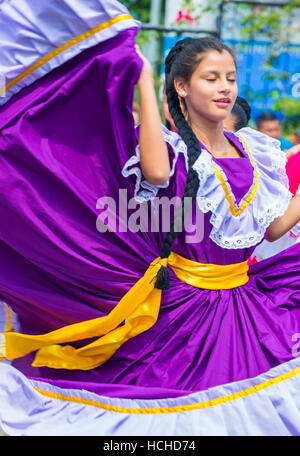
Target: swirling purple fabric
{"points": [[64, 142]]}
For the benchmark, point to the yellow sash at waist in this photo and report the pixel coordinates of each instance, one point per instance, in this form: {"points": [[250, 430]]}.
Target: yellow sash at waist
{"points": [[138, 309]]}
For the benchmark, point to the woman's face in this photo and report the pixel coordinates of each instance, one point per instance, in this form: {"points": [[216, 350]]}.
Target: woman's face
{"points": [[212, 90]]}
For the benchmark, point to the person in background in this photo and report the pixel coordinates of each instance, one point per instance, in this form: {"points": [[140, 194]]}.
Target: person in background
{"points": [[268, 124]]}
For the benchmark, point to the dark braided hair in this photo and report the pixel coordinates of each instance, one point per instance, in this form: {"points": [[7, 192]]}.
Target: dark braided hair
{"points": [[241, 112], [181, 62]]}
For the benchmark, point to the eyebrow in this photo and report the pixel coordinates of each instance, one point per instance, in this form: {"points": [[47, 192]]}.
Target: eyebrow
{"points": [[217, 72]]}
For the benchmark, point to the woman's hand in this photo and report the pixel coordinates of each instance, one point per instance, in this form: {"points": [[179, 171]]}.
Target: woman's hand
{"points": [[154, 154], [147, 68]]}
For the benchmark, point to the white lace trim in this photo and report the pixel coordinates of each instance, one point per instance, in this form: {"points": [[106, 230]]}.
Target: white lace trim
{"points": [[144, 191]]}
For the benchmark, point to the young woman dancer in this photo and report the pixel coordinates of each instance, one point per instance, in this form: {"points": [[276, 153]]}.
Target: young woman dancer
{"points": [[151, 332]]}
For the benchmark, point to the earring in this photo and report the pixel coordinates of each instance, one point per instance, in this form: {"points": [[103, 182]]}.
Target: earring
{"points": [[183, 94]]}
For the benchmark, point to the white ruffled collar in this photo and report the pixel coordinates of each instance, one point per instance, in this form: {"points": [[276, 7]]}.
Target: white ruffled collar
{"points": [[269, 195]]}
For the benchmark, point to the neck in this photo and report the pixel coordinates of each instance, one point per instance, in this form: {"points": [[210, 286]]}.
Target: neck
{"points": [[210, 133]]}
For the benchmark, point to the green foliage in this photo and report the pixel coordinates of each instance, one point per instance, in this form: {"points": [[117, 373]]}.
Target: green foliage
{"points": [[140, 9], [266, 23], [291, 109], [274, 23]]}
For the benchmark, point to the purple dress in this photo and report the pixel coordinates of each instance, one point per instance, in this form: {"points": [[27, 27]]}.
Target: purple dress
{"points": [[66, 143]]}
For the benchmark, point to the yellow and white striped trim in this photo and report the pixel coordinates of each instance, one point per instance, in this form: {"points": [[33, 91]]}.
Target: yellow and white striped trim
{"points": [[63, 48], [176, 409]]}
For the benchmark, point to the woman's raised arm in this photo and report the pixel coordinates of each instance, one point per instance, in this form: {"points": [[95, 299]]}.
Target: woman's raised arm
{"points": [[154, 155]]}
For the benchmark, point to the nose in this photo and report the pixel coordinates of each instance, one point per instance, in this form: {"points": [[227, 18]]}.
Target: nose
{"points": [[224, 86]]}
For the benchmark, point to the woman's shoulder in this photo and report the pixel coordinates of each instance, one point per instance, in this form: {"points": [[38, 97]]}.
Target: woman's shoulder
{"points": [[144, 191], [258, 141], [174, 140], [266, 153]]}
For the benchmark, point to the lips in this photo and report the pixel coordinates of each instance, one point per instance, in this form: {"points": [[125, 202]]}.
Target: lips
{"points": [[223, 102]]}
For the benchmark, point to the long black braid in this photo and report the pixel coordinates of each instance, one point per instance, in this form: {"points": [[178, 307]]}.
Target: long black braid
{"points": [[181, 62]]}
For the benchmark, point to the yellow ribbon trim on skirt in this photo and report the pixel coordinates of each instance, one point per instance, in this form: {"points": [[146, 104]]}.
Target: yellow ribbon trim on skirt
{"points": [[138, 309], [52, 54]]}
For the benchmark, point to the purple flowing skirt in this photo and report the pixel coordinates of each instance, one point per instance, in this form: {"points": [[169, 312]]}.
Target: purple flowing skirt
{"points": [[64, 142]]}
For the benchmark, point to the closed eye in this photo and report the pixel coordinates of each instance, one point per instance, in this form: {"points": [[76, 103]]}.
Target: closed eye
{"points": [[230, 80]]}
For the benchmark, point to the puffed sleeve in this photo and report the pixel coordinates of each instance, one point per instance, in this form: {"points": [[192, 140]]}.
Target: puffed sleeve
{"points": [[143, 190]]}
